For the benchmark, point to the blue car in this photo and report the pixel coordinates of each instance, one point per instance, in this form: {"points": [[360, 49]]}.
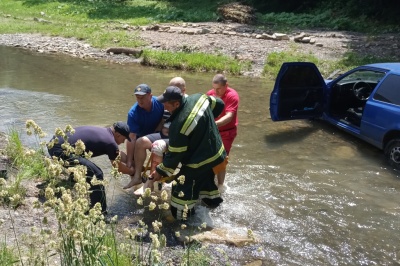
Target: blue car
{"points": [[364, 102]]}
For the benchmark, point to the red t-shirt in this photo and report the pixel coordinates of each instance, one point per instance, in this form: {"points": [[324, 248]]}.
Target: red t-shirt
{"points": [[231, 100]]}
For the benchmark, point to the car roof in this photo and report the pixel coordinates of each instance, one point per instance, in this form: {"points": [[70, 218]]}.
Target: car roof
{"points": [[395, 67]]}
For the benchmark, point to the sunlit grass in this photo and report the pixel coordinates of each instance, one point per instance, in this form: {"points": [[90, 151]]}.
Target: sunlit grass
{"points": [[349, 61], [14, 148], [274, 61], [7, 256], [83, 237], [194, 61], [100, 24]]}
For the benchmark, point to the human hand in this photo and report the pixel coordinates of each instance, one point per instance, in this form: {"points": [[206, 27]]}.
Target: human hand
{"points": [[154, 176]]}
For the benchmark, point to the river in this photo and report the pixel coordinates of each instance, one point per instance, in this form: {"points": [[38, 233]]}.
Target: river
{"points": [[312, 194]]}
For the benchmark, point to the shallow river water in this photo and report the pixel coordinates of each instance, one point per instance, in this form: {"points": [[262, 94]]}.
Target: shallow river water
{"points": [[312, 194]]}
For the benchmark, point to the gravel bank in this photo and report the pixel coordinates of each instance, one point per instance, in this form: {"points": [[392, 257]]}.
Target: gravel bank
{"points": [[235, 40]]}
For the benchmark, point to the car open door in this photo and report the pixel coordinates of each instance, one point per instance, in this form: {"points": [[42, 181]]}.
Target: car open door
{"points": [[298, 92]]}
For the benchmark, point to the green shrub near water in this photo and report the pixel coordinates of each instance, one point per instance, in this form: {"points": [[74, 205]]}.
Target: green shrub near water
{"points": [[7, 256], [12, 192], [29, 162], [14, 148], [274, 61], [199, 62], [83, 238], [100, 23]]}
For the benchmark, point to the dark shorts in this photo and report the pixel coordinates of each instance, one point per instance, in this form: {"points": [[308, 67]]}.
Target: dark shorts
{"points": [[156, 136]]}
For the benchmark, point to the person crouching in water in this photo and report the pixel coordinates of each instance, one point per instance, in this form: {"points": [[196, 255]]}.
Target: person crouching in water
{"points": [[194, 141], [99, 141]]}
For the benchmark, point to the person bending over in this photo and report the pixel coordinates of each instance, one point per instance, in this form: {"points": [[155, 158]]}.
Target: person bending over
{"points": [[99, 141]]}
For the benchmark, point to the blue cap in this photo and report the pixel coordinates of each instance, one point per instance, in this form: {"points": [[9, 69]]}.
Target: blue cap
{"points": [[142, 89]]}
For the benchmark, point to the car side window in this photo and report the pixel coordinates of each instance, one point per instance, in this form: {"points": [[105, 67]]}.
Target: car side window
{"points": [[369, 76], [389, 90]]}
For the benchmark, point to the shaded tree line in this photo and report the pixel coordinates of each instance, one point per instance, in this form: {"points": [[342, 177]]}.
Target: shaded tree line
{"points": [[385, 11]]}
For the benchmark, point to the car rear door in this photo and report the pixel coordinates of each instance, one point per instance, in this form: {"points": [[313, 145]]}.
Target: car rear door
{"points": [[382, 111], [298, 92]]}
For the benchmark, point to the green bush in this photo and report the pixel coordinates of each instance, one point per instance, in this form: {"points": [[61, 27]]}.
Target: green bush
{"points": [[349, 61], [7, 256], [199, 62], [275, 60]]}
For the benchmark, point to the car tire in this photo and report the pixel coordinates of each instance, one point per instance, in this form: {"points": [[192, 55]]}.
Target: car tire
{"points": [[392, 153]]}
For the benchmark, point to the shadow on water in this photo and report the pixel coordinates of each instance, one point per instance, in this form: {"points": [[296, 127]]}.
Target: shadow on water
{"points": [[312, 194], [289, 135]]}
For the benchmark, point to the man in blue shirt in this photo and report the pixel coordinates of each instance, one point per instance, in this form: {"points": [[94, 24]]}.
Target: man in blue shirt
{"points": [[156, 142], [143, 118]]}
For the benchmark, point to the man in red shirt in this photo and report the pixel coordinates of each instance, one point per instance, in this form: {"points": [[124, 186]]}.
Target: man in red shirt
{"points": [[227, 121]]}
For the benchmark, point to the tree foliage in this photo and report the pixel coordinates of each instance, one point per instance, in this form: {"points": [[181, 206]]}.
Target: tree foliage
{"points": [[385, 11]]}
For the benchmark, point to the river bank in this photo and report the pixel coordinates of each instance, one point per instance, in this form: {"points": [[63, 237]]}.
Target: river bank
{"points": [[238, 41], [27, 228]]}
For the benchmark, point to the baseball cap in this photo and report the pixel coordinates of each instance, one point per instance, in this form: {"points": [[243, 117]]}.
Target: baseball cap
{"points": [[171, 93], [142, 89], [123, 129]]}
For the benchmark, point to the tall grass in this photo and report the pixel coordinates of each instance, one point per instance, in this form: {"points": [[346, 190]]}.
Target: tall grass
{"points": [[29, 162], [7, 256], [14, 148], [83, 238]]}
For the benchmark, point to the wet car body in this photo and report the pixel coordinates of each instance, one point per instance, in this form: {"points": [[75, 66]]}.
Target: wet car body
{"points": [[364, 101]]}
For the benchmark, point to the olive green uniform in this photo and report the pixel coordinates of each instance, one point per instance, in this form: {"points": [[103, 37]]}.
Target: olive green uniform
{"points": [[195, 142]]}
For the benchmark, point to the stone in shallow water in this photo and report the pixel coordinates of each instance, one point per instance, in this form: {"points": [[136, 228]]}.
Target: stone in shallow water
{"points": [[218, 236], [224, 236], [344, 152]]}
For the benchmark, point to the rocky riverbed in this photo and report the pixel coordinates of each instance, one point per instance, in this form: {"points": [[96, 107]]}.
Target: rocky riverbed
{"points": [[239, 41]]}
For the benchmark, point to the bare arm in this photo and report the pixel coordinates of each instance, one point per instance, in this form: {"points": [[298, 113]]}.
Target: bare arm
{"points": [[160, 125], [123, 168], [224, 120]]}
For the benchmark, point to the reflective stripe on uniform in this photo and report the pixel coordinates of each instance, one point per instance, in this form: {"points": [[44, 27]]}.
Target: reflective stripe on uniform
{"points": [[209, 194], [168, 171], [177, 149], [213, 102], [180, 204], [194, 116], [200, 164]]}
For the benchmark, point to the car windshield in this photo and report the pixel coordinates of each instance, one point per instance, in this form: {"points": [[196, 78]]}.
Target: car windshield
{"points": [[364, 75]]}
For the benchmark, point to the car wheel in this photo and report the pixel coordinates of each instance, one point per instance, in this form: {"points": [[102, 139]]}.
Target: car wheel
{"points": [[392, 152]]}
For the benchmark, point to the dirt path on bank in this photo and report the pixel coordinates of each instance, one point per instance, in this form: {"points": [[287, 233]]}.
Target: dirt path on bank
{"points": [[239, 41]]}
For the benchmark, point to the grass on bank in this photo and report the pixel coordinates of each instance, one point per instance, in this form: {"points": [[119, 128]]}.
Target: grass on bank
{"points": [[350, 60], [198, 62], [324, 18], [7, 256], [82, 237], [97, 21], [101, 24]]}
